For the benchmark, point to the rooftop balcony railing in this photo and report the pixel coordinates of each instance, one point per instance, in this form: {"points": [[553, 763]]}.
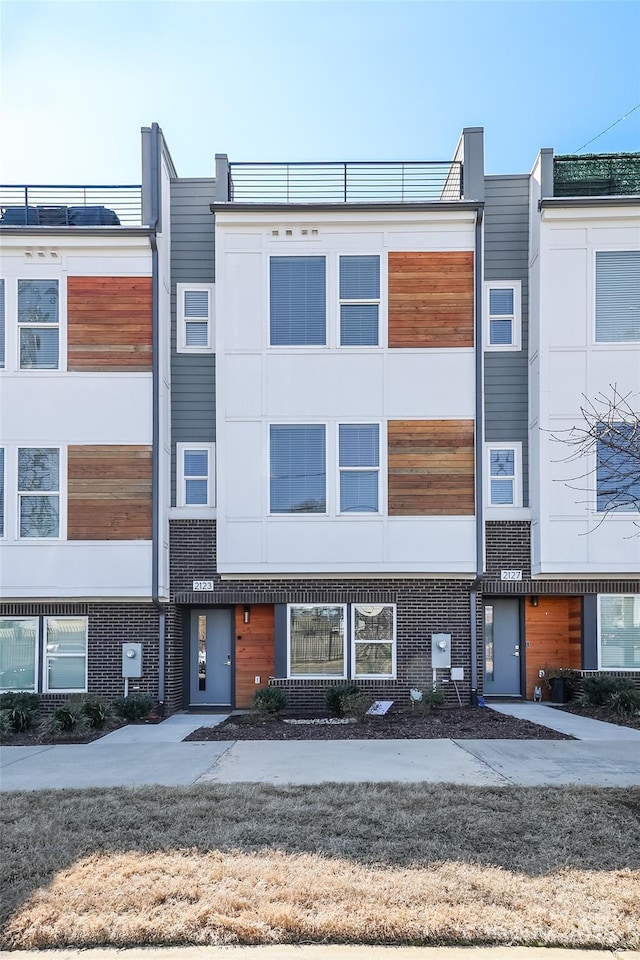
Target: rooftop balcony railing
{"points": [[71, 206], [352, 182], [597, 175]]}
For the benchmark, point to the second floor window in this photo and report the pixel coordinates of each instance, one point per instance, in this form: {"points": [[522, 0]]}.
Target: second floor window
{"points": [[194, 317], [502, 306], [38, 324], [297, 301], [298, 480], [359, 456], [196, 469], [39, 492], [617, 477]]}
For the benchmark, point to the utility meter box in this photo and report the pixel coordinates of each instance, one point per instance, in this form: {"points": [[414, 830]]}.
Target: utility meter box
{"points": [[131, 660], [440, 650]]}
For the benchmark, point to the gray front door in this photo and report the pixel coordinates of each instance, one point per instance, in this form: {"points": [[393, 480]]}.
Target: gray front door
{"points": [[211, 668], [502, 648]]}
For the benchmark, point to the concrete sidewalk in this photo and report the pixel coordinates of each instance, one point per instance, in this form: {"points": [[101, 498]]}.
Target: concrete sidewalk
{"points": [[605, 755], [325, 952]]}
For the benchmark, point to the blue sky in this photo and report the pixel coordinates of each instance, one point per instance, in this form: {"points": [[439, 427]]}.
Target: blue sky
{"points": [[309, 80]]}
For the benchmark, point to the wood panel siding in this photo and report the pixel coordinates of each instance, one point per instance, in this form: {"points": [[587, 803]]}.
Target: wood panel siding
{"points": [[431, 299], [109, 323], [255, 651], [553, 632], [109, 493], [431, 468]]}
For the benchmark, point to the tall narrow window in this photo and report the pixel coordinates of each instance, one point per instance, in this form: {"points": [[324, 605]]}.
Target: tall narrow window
{"points": [[617, 296], [2, 343], [502, 477], [359, 301], [373, 640], [196, 475], [39, 491], [503, 309], [18, 653], [194, 317], [298, 469], [38, 324], [66, 653], [2, 492], [298, 301], [359, 465]]}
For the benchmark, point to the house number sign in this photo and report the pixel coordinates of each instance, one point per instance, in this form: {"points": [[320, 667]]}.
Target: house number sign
{"points": [[511, 574], [202, 585]]}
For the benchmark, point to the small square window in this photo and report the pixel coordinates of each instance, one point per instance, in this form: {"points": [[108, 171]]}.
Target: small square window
{"points": [[196, 475], [503, 311], [194, 317]]}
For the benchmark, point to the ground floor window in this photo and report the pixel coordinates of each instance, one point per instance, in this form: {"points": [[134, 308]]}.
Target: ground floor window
{"points": [[619, 632], [318, 644], [59, 643]]}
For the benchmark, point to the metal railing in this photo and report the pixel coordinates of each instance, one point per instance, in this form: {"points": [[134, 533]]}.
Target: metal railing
{"points": [[58, 206], [351, 182], [597, 175]]}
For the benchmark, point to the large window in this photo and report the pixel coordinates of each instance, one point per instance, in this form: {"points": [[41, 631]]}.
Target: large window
{"points": [[503, 315], [619, 632], [196, 474], [18, 653], [65, 666], [617, 468], [359, 466], [194, 317], [298, 469], [38, 324], [359, 301], [39, 491], [317, 641], [373, 631], [617, 296], [298, 301]]}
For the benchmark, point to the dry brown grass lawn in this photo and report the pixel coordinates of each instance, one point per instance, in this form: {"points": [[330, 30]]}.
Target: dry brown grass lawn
{"points": [[378, 863]]}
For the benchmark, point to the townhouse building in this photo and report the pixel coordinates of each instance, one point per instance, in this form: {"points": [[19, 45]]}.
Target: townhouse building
{"points": [[305, 427]]}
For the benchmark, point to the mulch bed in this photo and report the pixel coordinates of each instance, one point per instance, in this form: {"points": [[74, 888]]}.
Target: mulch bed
{"points": [[32, 739], [602, 713], [447, 723]]}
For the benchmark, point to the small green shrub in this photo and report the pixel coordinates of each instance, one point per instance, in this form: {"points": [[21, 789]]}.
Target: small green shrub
{"points": [[355, 705], [333, 696], [134, 708], [271, 700], [5, 723], [626, 703], [96, 711], [430, 698], [66, 719], [22, 710], [597, 691]]}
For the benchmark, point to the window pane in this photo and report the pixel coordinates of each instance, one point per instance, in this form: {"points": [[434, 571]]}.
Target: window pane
{"points": [[316, 641], [38, 348], [617, 295], [618, 481], [1, 492], [196, 334], [196, 303], [488, 642], [298, 301], [39, 516], [37, 301], [196, 493], [502, 492], [620, 632], [502, 463], [1, 323], [374, 659], [500, 332], [38, 468], [66, 673], [358, 491], [359, 325], [18, 654], [196, 463], [501, 302], [359, 278], [373, 622], [359, 445], [67, 635], [298, 470]]}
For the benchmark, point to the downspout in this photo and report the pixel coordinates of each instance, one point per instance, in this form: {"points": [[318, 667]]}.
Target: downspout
{"points": [[479, 414], [155, 377]]}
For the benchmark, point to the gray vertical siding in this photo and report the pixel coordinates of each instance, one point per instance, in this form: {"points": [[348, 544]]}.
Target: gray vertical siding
{"points": [[506, 257], [193, 410]]}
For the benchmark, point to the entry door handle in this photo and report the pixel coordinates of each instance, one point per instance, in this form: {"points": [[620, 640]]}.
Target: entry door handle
{"points": [[228, 660], [516, 650]]}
